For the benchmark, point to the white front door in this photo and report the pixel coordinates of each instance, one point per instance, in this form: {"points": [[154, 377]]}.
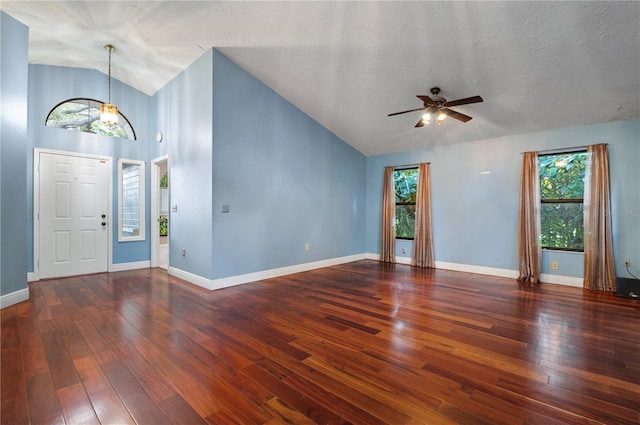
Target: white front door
{"points": [[73, 216]]}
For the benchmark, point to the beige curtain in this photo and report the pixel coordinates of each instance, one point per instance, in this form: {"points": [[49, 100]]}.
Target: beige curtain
{"points": [[423, 240], [599, 272], [529, 249], [388, 251]]}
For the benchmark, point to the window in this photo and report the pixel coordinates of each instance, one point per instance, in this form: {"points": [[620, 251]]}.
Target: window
{"points": [[561, 195], [131, 200], [406, 184], [84, 115]]}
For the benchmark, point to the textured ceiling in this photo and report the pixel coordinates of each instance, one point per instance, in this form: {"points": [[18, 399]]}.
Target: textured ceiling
{"points": [[538, 65]]}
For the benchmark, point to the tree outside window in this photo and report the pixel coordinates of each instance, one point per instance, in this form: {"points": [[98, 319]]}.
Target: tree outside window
{"points": [[406, 184], [561, 194]]}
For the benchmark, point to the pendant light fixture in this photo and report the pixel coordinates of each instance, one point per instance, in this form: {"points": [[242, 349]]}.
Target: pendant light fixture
{"points": [[109, 111]]}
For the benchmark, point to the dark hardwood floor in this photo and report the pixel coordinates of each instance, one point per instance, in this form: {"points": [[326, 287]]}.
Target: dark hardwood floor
{"points": [[363, 343]]}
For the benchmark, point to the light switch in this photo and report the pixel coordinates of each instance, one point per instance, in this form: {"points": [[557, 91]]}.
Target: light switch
{"points": [[174, 208], [224, 208]]}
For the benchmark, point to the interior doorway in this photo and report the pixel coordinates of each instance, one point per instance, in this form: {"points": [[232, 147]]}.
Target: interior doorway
{"points": [[160, 212]]}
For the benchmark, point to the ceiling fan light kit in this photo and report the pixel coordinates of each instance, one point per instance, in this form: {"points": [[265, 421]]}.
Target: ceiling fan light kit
{"points": [[437, 108]]}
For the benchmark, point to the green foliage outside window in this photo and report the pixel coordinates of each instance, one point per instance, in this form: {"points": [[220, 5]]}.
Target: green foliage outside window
{"points": [[164, 225], [84, 115], [164, 220], [406, 184], [561, 193]]}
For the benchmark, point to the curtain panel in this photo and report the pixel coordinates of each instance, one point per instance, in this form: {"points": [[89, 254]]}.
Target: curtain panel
{"points": [[599, 271], [388, 249], [529, 248], [423, 239]]}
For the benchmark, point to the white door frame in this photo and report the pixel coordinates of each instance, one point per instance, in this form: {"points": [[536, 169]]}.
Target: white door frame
{"points": [[155, 208], [36, 204]]}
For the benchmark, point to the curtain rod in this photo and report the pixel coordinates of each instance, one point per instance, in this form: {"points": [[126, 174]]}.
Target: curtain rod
{"points": [[563, 150], [404, 167]]}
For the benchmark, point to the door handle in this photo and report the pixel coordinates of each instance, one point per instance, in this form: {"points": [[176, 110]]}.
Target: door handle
{"points": [[104, 223], [104, 216]]}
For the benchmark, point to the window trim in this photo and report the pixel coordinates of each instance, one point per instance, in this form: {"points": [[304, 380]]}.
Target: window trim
{"points": [[88, 101], [142, 200], [410, 167], [561, 200]]}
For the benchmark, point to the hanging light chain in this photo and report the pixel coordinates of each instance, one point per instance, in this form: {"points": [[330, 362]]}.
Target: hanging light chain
{"points": [[110, 49]]}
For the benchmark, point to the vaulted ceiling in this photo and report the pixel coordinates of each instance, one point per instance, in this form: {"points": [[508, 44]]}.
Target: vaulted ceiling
{"points": [[538, 65]]}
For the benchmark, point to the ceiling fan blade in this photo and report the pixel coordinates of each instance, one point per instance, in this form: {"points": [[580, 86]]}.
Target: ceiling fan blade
{"points": [[404, 112], [426, 99], [465, 101], [420, 124], [456, 115]]}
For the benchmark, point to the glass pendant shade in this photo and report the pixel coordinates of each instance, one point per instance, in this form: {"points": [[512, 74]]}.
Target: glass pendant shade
{"points": [[109, 114]]}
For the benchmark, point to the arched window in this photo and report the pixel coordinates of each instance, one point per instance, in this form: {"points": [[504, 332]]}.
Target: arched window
{"points": [[84, 115]]}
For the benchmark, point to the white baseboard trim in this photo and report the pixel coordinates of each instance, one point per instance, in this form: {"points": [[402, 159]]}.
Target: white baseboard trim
{"points": [[191, 278], [226, 282], [470, 268], [490, 271], [121, 267], [282, 271], [578, 282], [14, 298]]}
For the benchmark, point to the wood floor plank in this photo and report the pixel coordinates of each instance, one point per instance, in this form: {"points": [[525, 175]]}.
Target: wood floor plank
{"points": [[76, 406], [364, 343], [103, 396], [61, 367], [140, 405], [180, 412], [43, 401], [15, 409]]}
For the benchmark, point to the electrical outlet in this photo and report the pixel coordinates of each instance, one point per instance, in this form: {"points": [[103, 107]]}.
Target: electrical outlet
{"points": [[184, 252], [306, 246], [554, 265], [404, 250], [627, 262]]}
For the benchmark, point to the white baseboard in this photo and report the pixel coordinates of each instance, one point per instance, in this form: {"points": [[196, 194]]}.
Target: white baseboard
{"points": [[578, 282], [470, 268], [226, 282], [191, 278], [120, 267], [282, 271], [14, 298], [490, 271]]}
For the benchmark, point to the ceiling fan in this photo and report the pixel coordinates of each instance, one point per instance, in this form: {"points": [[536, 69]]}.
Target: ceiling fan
{"points": [[437, 108]]}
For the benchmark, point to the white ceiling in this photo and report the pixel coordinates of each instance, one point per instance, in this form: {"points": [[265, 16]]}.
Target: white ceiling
{"points": [[538, 65]]}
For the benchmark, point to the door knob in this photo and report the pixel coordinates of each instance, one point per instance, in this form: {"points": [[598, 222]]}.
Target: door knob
{"points": [[104, 223], [104, 216]]}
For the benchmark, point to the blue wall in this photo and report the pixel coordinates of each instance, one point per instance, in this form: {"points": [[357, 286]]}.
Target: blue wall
{"points": [[50, 85], [14, 45], [185, 116], [288, 181], [475, 216]]}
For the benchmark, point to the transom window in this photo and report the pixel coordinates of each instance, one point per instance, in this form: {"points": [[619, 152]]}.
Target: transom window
{"points": [[562, 204], [405, 182], [82, 114]]}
